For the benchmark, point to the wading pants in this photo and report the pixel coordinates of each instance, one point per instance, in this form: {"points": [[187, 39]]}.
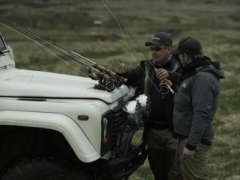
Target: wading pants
{"points": [[161, 152]]}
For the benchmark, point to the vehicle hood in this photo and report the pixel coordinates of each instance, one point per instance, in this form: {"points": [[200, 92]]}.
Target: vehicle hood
{"points": [[36, 84]]}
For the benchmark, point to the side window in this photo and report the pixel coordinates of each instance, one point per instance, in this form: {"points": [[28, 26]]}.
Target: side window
{"points": [[2, 44]]}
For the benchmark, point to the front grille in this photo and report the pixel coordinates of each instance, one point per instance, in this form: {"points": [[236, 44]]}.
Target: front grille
{"points": [[117, 123]]}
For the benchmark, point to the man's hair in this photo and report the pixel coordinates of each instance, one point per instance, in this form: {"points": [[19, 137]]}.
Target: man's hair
{"points": [[196, 56]]}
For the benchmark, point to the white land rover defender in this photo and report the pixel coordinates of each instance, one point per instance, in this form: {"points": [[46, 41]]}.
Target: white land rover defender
{"points": [[59, 127]]}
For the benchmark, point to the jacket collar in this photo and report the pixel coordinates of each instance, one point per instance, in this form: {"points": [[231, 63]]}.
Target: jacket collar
{"points": [[193, 67], [163, 63]]}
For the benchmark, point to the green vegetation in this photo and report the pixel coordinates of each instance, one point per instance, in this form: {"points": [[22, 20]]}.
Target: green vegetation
{"points": [[70, 24]]}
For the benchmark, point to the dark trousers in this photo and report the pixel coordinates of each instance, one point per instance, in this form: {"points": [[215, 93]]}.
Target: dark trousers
{"points": [[161, 152], [160, 162]]}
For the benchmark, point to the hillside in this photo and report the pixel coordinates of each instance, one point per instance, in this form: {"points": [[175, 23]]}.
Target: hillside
{"points": [[118, 29]]}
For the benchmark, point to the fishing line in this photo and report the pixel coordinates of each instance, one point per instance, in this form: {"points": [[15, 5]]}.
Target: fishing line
{"points": [[33, 63], [87, 63], [122, 25], [98, 66], [48, 50], [59, 17], [108, 80], [62, 60], [42, 47]]}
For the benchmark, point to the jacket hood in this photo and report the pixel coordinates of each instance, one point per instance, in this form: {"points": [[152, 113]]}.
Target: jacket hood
{"points": [[203, 64], [215, 69]]}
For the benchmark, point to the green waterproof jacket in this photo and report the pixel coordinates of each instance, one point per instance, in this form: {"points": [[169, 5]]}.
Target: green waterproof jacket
{"points": [[196, 103]]}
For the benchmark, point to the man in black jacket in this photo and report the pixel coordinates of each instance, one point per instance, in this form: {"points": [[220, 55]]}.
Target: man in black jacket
{"points": [[146, 78]]}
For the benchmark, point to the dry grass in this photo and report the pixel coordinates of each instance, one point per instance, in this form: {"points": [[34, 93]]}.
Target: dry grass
{"points": [[215, 24]]}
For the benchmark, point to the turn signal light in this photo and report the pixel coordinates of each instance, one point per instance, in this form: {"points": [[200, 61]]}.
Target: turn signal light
{"points": [[83, 117]]}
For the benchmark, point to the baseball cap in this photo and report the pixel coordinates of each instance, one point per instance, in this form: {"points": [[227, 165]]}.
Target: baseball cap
{"points": [[160, 38], [189, 45]]}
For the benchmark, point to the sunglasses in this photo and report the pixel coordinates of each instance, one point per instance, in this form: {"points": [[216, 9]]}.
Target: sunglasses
{"points": [[155, 49]]}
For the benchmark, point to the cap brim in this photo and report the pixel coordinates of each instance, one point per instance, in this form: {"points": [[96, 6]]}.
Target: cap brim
{"points": [[153, 43]]}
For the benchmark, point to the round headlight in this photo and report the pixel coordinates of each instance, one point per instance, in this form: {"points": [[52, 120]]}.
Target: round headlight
{"points": [[132, 112], [145, 104]]}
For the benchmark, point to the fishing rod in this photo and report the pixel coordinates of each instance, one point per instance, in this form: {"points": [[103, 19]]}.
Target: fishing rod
{"points": [[107, 79], [165, 88]]}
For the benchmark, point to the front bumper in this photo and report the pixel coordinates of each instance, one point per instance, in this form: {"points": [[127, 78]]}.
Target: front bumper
{"points": [[131, 158]]}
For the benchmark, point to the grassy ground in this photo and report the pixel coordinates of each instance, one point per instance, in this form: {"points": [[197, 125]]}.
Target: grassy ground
{"points": [[70, 25]]}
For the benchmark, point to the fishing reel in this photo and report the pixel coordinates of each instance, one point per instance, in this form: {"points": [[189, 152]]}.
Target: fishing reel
{"points": [[117, 81], [108, 83], [114, 78], [105, 84], [165, 89]]}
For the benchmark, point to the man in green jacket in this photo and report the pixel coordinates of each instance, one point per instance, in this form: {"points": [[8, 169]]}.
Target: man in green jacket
{"points": [[196, 103]]}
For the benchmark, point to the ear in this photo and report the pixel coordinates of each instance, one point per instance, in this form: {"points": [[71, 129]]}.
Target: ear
{"points": [[169, 48], [187, 57]]}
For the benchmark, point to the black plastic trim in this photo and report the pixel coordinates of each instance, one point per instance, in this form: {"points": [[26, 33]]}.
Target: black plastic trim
{"points": [[130, 160]]}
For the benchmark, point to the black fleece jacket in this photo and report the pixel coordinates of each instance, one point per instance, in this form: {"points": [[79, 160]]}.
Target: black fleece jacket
{"points": [[143, 78]]}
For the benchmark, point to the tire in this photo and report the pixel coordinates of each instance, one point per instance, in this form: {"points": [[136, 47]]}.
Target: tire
{"points": [[44, 168]]}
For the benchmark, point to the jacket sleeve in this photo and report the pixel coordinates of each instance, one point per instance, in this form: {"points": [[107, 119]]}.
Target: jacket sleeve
{"points": [[175, 72], [174, 77], [133, 76], [202, 92]]}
